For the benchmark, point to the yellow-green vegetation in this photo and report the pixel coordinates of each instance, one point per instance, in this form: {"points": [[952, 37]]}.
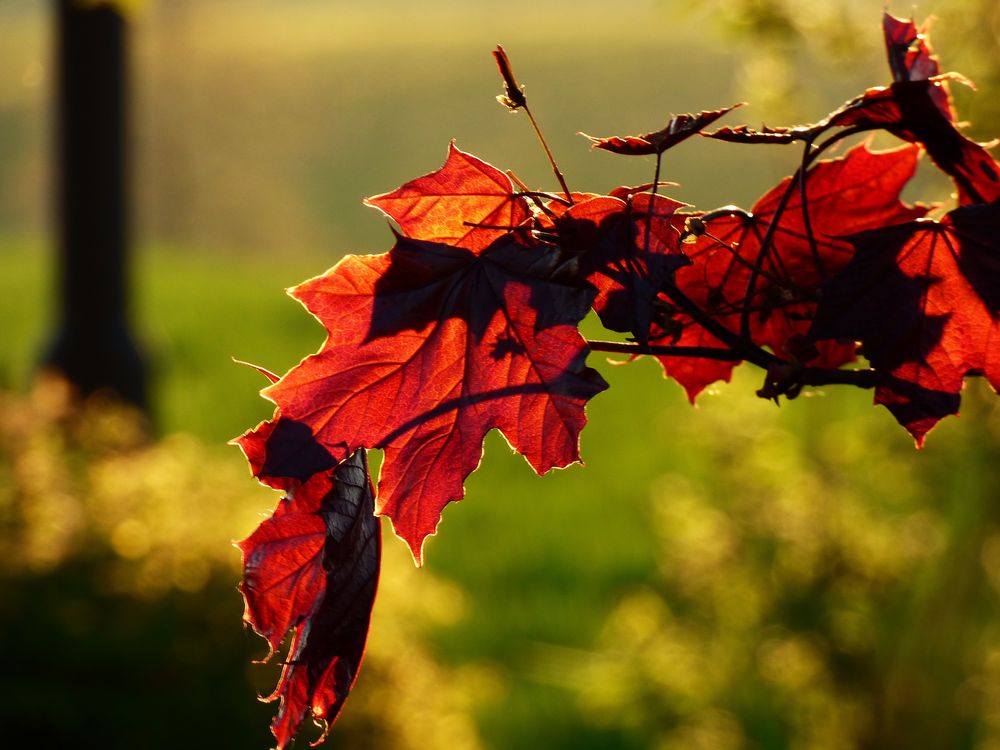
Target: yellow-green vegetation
{"points": [[121, 608], [819, 585]]}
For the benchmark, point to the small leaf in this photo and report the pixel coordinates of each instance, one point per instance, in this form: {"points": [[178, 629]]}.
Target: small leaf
{"points": [[679, 128], [458, 204], [912, 59]]}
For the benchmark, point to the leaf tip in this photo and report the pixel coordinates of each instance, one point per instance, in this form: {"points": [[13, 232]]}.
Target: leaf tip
{"points": [[262, 370]]}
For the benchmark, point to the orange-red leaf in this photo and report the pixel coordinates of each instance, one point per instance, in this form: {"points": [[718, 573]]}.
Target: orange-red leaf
{"points": [[461, 204], [924, 300], [431, 346], [312, 568]]}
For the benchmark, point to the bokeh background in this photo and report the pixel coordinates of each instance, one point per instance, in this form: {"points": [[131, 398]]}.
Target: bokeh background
{"points": [[733, 576]]}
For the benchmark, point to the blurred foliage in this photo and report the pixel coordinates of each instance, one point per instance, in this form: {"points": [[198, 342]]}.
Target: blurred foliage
{"points": [[817, 590], [785, 44], [123, 6], [119, 605]]}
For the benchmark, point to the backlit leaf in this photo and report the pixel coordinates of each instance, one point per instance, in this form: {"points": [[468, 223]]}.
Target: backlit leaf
{"points": [[429, 347], [312, 569], [923, 298]]}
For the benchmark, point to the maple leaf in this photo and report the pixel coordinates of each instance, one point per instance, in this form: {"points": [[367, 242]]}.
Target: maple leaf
{"points": [[456, 205], [677, 129], [312, 569], [923, 299], [429, 347], [857, 191]]}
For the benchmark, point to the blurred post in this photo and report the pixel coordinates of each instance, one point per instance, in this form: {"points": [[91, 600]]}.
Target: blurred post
{"points": [[93, 347]]}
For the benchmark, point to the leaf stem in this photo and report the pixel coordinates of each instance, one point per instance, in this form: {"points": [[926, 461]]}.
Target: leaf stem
{"points": [[652, 197], [548, 153], [701, 352]]}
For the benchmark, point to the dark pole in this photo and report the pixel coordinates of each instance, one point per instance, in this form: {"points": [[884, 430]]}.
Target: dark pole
{"points": [[93, 347]]}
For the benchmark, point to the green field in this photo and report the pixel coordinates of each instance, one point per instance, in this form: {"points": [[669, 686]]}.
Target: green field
{"points": [[725, 577]]}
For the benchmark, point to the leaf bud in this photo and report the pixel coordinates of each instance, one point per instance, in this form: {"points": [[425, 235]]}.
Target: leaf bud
{"points": [[513, 97]]}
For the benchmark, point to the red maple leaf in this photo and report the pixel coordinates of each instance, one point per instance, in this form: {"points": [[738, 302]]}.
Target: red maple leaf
{"points": [[429, 347], [677, 129], [456, 205], [312, 568], [924, 299], [857, 191]]}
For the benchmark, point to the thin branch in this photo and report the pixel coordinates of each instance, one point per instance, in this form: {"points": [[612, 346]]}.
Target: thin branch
{"points": [[701, 352], [823, 376], [514, 99], [548, 153]]}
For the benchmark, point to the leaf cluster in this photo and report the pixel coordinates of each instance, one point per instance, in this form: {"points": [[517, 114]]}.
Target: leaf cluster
{"points": [[470, 323]]}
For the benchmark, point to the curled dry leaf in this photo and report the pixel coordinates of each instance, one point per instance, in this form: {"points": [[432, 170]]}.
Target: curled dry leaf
{"points": [[678, 128]]}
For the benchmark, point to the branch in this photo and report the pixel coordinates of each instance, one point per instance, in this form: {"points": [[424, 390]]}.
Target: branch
{"points": [[634, 349], [788, 379]]}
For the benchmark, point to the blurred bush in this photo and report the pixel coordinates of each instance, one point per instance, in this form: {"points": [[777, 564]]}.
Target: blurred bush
{"points": [[816, 591], [120, 614]]}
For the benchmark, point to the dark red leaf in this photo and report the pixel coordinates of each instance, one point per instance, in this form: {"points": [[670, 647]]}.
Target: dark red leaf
{"points": [[858, 191], [312, 568], [908, 110], [746, 134], [455, 205], [923, 298], [911, 58], [431, 346], [608, 236], [283, 453], [679, 128]]}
